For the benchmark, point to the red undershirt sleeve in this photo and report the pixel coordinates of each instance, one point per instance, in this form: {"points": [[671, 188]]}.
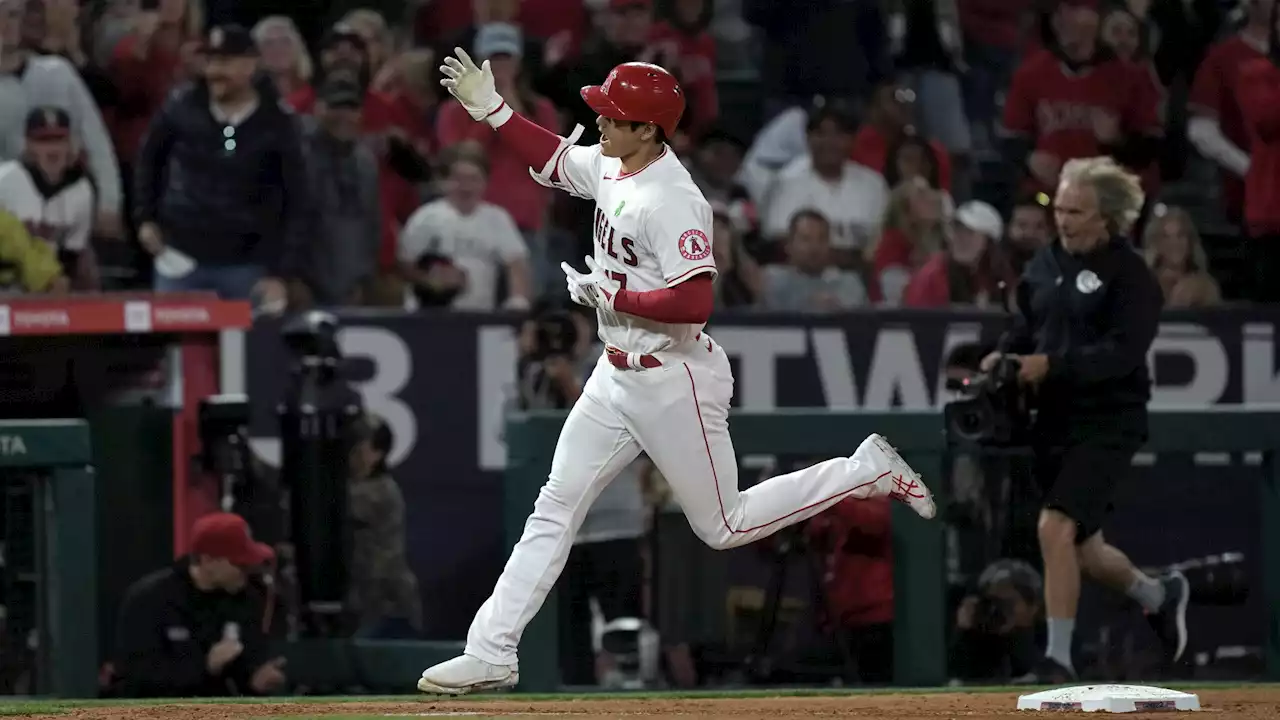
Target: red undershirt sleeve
{"points": [[689, 302], [534, 144]]}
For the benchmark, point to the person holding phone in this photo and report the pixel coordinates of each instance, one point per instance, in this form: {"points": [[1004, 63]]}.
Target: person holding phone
{"points": [[201, 627], [222, 199]]}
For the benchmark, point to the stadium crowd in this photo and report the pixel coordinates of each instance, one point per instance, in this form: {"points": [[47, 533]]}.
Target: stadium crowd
{"points": [[857, 154]]}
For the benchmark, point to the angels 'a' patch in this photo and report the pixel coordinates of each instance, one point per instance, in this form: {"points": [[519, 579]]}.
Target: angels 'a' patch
{"points": [[694, 245]]}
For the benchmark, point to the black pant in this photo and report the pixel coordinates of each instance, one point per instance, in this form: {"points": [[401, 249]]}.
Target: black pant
{"points": [[1080, 479], [862, 653], [1264, 257], [608, 571], [871, 649]]}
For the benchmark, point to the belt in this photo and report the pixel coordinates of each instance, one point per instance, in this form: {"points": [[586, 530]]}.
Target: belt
{"points": [[630, 361]]}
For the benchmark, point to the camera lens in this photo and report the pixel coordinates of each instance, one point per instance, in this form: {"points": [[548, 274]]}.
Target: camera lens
{"points": [[971, 420]]}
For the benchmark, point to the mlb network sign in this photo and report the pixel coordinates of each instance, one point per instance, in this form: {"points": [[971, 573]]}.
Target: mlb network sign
{"points": [[409, 368]]}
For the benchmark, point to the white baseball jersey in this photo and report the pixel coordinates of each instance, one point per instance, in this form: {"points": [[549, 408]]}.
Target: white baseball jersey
{"points": [[61, 215], [652, 230], [854, 205], [481, 244]]}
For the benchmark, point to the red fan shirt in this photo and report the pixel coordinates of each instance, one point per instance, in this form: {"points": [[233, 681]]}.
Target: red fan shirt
{"points": [[1214, 94], [1054, 106], [1259, 93], [858, 568], [871, 148]]}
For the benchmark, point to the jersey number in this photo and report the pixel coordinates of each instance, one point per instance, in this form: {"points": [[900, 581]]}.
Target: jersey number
{"points": [[618, 277]]}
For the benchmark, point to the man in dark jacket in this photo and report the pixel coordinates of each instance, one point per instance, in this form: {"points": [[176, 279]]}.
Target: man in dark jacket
{"points": [[343, 255], [1089, 311], [200, 628], [220, 181]]}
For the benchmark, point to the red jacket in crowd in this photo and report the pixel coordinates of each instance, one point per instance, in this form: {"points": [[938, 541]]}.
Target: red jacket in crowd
{"points": [[510, 186], [997, 23], [418, 122], [858, 560], [930, 286], [545, 19], [143, 82], [1054, 107], [894, 250], [871, 148], [439, 20], [378, 115], [1215, 94], [692, 57], [1259, 92]]}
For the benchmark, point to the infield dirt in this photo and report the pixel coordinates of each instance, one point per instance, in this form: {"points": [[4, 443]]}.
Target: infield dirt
{"points": [[1243, 703]]}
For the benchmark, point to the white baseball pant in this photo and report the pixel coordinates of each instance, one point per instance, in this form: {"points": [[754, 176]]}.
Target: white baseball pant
{"points": [[678, 415]]}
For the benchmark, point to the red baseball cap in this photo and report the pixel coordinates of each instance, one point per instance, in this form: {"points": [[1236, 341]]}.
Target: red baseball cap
{"points": [[227, 535]]}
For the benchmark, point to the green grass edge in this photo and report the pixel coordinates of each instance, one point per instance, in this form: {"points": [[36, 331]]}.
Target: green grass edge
{"points": [[38, 706]]}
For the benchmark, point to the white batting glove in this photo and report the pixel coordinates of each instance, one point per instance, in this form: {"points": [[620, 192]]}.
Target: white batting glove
{"points": [[471, 85], [573, 283], [596, 287], [597, 283], [578, 295]]}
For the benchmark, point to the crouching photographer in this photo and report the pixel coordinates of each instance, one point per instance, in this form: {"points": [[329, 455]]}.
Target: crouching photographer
{"points": [[995, 631], [1088, 311], [551, 366]]}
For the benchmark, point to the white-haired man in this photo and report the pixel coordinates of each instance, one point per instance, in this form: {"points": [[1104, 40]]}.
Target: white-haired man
{"points": [[1089, 311]]}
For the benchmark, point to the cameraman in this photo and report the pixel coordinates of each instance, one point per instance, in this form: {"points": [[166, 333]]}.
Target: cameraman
{"points": [[551, 352], [1089, 309], [995, 626]]}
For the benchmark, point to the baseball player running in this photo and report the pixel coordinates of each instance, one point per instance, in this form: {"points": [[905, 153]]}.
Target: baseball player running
{"points": [[663, 385]]}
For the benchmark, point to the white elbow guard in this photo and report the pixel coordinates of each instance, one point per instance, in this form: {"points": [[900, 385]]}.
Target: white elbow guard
{"points": [[544, 177]]}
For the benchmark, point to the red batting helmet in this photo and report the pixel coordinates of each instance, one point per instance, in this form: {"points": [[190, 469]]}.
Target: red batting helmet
{"points": [[638, 92]]}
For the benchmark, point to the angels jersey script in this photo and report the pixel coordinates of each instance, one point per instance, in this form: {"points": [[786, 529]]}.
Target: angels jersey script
{"points": [[652, 230]]}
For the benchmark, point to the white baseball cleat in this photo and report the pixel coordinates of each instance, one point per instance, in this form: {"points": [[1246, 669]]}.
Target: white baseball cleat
{"points": [[900, 482], [465, 674]]}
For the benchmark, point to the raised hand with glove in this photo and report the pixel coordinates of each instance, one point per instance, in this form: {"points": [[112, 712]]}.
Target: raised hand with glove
{"points": [[473, 86], [593, 289]]}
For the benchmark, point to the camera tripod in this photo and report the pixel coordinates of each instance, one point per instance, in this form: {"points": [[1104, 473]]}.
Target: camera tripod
{"points": [[1001, 513], [759, 665]]}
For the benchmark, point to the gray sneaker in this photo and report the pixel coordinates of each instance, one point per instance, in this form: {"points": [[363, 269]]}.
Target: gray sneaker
{"points": [[1170, 621]]}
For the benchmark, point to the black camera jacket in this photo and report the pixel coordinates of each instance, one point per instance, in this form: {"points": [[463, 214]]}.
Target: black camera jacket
{"points": [[1095, 316]]}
